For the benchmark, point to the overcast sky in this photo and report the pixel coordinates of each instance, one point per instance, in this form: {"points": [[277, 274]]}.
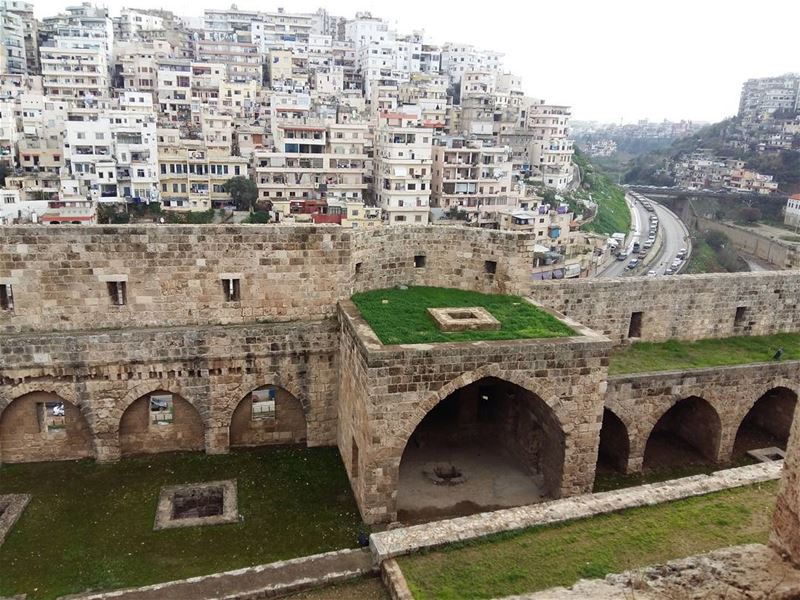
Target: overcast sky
{"points": [[611, 60]]}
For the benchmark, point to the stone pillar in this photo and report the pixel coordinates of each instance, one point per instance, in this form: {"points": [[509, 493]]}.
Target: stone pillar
{"points": [[785, 536], [217, 440], [106, 446], [726, 441]]}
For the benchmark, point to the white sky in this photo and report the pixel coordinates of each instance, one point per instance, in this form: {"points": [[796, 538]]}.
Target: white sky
{"points": [[611, 60]]}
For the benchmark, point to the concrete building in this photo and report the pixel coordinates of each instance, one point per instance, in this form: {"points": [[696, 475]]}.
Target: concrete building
{"points": [[312, 161], [767, 95], [77, 75], [13, 52], [457, 59], [24, 10], [241, 59], [132, 24], [470, 176], [550, 151], [792, 215], [403, 168]]}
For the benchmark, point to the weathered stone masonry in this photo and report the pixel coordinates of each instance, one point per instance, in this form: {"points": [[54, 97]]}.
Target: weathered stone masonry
{"points": [[176, 332]]}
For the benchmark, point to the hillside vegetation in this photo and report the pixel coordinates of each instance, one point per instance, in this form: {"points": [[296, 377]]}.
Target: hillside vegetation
{"points": [[613, 214]]}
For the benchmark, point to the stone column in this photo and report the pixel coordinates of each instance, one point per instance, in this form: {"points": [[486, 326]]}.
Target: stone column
{"points": [[217, 440], [785, 536], [106, 446]]}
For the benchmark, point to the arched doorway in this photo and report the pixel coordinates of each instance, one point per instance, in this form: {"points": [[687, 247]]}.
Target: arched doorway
{"points": [[160, 422], [268, 415], [42, 426], [767, 423], [488, 445], [614, 448], [688, 434]]}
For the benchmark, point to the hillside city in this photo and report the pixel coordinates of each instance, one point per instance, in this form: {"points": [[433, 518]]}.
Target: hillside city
{"points": [[319, 307]]}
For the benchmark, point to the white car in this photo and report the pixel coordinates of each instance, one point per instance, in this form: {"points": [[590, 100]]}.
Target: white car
{"points": [[651, 273]]}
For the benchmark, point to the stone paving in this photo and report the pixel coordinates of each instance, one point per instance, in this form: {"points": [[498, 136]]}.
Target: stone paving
{"points": [[396, 542]]}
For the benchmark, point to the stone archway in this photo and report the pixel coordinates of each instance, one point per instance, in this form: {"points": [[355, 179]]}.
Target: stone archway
{"points": [[688, 434], [269, 414], [43, 426], [767, 423], [614, 449], [486, 445], [160, 421]]}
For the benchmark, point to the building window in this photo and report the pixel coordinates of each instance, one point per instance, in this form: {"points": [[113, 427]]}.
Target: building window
{"points": [[52, 417], [162, 409], [263, 405], [490, 266], [635, 327], [117, 292], [740, 318], [6, 297], [358, 268], [419, 261], [231, 289]]}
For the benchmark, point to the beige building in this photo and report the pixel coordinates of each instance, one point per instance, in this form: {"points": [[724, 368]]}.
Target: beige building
{"points": [[402, 169], [312, 160], [192, 176], [470, 175], [550, 151]]}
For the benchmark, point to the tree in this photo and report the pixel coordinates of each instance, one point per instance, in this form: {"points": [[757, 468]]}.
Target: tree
{"points": [[751, 214], [716, 239], [243, 191]]}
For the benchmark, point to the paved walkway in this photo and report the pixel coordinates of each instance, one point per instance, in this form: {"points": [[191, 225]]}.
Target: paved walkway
{"points": [[396, 542], [263, 581]]}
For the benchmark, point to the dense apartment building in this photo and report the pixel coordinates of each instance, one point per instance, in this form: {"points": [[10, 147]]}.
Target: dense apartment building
{"points": [[550, 150], [470, 176], [768, 95], [403, 168]]}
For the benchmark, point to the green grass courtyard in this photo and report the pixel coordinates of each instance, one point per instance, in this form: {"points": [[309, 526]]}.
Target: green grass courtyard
{"points": [[90, 526], [642, 357], [543, 557], [403, 317]]}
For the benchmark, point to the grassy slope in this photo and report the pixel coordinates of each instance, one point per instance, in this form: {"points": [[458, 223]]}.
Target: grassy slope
{"points": [[543, 557], [703, 259], [613, 214], [405, 320], [91, 525], [643, 357]]}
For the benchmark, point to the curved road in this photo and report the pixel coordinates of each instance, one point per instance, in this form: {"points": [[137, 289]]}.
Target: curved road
{"points": [[674, 235]]}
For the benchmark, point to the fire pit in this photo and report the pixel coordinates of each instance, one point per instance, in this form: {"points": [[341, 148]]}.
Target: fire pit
{"points": [[442, 473]]}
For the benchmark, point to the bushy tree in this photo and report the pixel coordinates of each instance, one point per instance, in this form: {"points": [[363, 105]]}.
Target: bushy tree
{"points": [[716, 239], [243, 191], [750, 214]]}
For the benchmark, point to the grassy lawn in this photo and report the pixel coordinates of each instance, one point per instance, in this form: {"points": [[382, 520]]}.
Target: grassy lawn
{"points": [[90, 526], [543, 557], [642, 357], [404, 319]]}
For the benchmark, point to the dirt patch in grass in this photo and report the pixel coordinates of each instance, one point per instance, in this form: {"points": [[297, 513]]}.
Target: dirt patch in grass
{"points": [[543, 557], [403, 317], [90, 526], [642, 357]]}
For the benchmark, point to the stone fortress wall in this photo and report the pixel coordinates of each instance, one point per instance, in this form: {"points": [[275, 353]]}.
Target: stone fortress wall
{"points": [[177, 333]]}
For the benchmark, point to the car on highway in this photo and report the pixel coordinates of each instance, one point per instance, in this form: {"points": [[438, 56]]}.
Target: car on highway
{"points": [[648, 244], [682, 253], [622, 256], [651, 273], [636, 246], [669, 271], [633, 264]]}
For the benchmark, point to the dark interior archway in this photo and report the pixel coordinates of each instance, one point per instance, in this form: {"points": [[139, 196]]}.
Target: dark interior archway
{"points": [[687, 435], [767, 423], [612, 454], [501, 439]]}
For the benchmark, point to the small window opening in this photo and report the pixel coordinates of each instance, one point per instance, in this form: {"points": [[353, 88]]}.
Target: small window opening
{"points": [[358, 268], [117, 292], [263, 405], [6, 297], [52, 417], [740, 317], [490, 266], [635, 328], [419, 261], [231, 289], [354, 459], [162, 409]]}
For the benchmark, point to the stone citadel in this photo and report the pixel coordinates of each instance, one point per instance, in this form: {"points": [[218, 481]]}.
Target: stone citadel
{"points": [[216, 321]]}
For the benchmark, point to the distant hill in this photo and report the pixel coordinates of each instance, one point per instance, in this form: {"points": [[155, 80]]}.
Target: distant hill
{"points": [[728, 140]]}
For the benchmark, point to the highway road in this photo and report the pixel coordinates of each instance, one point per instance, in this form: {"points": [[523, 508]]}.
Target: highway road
{"points": [[673, 233]]}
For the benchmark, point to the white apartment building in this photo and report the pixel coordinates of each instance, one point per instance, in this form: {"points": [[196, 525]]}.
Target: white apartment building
{"points": [[365, 29], [73, 74], [403, 169], [458, 59], [241, 59], [428, 93], [24, 10], [174, 90], [388, 62], [312, 161], [550, 151], [136, 66], [13, 56], [131, 23], [82, 26], [470, 175]]}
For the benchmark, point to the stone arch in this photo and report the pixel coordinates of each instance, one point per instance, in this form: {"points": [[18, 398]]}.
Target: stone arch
{"points": [[64, 391], [148, 387], [688, 431], [518, 378], [614, 445], [767, 422], [40, 425], [287, 425], [224, 407], [506, 441], [139, 434]]}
